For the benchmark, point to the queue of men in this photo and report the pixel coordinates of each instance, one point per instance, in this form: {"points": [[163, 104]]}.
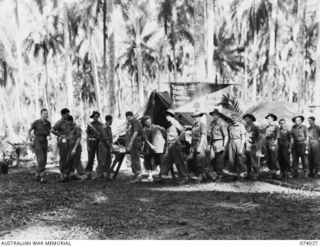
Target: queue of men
{"points": [[198, 151]]}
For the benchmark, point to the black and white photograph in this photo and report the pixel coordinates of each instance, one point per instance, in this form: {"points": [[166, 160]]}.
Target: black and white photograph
{"points": [[159, 120]]}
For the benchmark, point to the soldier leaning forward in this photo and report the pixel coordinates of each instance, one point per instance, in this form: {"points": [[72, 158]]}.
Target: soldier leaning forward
{"points": [[41, 130], [177, 154], [218, 144], [93, 141], [154, 145], [284, 150], [199, 145], [299, 141], [272, 145], [174, 128], [314, 148], [74, 150], [62, 130], [105, 149], [252, 134]]}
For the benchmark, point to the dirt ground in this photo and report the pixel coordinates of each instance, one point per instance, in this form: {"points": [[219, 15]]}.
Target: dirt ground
{"points": [[119, 210]]}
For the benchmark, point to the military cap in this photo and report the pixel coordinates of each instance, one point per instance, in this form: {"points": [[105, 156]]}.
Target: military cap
{"points": [[312, 118], [94, 113], [300, 116], [65, 111], [197, 114], [272, 115], [250, 116]]}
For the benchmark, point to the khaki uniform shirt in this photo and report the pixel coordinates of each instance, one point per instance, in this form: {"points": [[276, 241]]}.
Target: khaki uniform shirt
{"points": [[299, 133], [236, 130]]}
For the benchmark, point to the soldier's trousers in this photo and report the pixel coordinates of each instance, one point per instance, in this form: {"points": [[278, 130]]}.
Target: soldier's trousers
{"points": [[235, 157], [75, 160], [93, 147], [272, 155], [217, 163], [135, 160], [199, 157], [63, 154], [104, 159], [148, 158], [41, 150], [174, 155], [284, 158], [299, 151], [314, 156], [252, 159]]}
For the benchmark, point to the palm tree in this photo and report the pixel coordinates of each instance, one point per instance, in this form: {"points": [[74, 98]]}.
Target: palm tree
{"points": [[175, 17], [42, 42], [147, 63], [251, 19]]}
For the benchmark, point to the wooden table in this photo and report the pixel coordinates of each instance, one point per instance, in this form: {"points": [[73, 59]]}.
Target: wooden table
{"points": [[117, 162]]}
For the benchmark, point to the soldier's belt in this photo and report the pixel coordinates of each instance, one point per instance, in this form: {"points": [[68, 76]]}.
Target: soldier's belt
{"points": [[92, 139], [298, 141], [235, 139], [216, 140]]}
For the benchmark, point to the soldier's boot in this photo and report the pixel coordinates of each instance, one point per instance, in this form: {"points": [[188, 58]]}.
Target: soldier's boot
{"points": [[183, 181], [43, 180], [305, 174], [202, 177], [64, 178], [241, 176], [137, 179], [295, 174], [255, 176], [277, 174], [37, 177], [288, 175]]}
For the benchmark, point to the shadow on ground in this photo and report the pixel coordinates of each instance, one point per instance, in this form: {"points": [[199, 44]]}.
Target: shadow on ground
{"points": [[119, 210]]}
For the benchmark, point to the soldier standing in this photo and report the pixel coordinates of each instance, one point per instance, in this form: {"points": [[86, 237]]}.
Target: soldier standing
{"points": [[299, 147], [153, 148], [199, 145], [62, 130], [314, 148], [272, 145], [74, 150], [284, 149], [134, 142], [174, 128], [93, 139], [105, 149], [237, 140], [41, 130], [218, 143], [252, 134]]}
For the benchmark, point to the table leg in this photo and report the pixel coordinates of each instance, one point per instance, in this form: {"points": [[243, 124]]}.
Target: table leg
{"points": [[120, 160]]}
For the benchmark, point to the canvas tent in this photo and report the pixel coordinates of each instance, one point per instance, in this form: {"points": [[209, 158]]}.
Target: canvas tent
{"points": [[284, 110]]}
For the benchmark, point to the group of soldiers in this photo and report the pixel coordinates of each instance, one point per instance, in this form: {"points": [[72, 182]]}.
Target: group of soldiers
{"points": [[198, 151], [99, 143]]}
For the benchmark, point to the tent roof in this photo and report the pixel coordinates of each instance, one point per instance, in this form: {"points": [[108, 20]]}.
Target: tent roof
{"points": [[284, 110]]}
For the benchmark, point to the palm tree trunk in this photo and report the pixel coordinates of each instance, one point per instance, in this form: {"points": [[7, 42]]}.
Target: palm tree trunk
{"points": [[6, 116], [69, 77], [111, 72], [317, 82], [139, 60], [272, 46], [211, 75], [20, 61], [45, 94], [95, 71]]}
